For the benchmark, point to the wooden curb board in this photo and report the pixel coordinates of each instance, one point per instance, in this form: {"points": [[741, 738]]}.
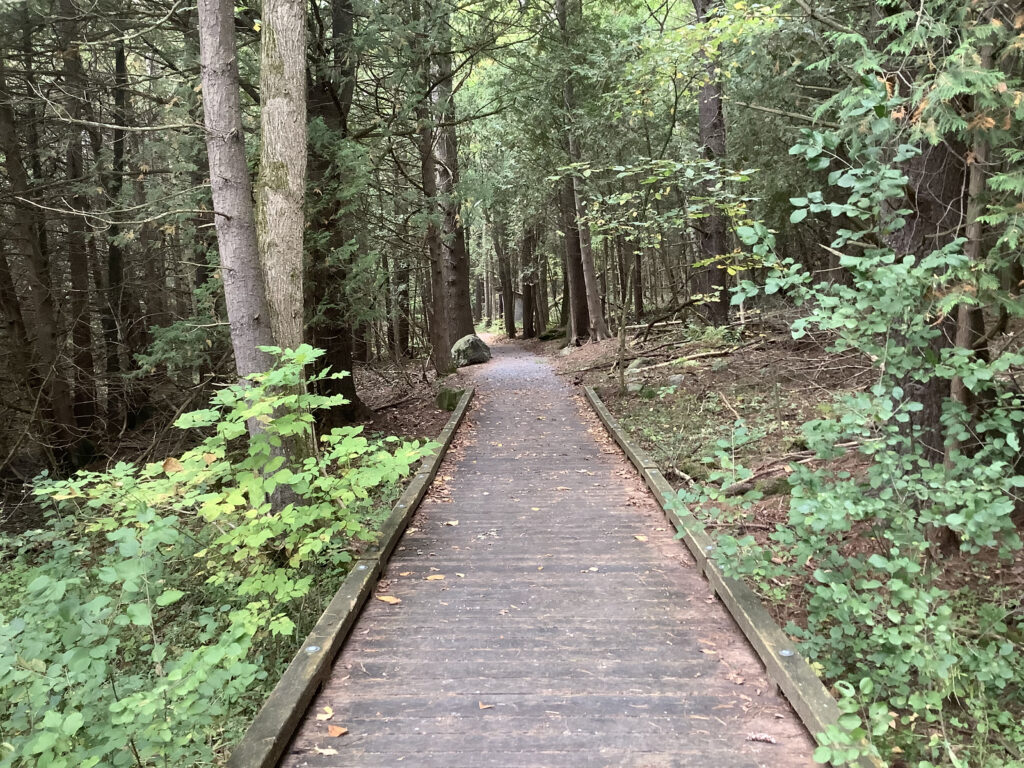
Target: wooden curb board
{"points": [[274, 725], [809, 698]]}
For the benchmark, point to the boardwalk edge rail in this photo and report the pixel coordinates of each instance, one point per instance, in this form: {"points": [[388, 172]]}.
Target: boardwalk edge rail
{"points": [[274, 725], [812, 702]]}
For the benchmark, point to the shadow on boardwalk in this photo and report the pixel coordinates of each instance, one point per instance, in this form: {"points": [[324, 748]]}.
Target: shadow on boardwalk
{"points": [[548, 617]]}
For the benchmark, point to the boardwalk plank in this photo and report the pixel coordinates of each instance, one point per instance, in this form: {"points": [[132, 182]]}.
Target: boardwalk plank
{"points": [[587, 645]]}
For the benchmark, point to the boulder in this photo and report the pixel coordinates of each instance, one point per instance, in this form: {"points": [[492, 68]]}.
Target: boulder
{"points": [[447, 398], [470, 350]]}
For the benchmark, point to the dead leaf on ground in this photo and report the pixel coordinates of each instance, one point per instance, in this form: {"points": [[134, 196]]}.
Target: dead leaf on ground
{"points": [[334, 731], [485, 706], [640, 537], [172, 465], [325, 714], [436, 577], [451, 522], [325, 751], [389, 599]]}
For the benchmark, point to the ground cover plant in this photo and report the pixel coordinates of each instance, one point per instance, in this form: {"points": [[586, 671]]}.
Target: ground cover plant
{"points": [[147, 623]]}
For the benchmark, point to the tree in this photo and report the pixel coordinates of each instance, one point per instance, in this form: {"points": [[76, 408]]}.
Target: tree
{"points": [[231, 188]]}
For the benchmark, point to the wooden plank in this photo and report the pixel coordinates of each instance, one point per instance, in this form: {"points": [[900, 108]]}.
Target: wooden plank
{"points": [[812, 702], [393, 528], [269, 733]]}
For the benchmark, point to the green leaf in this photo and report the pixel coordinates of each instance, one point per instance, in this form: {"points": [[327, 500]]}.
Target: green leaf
{"points": [[139, 614], [798, 215], [169, 596]]}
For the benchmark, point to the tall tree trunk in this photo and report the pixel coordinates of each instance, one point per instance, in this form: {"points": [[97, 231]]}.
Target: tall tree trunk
{"points": [[244, 292], [327, 303], [568, 13], [713, 231], [579, 310], [528, 253], [281, 184], [504, 258], [78, 257], [543, 311], [440, 332], [453, 232], [56, 401]]}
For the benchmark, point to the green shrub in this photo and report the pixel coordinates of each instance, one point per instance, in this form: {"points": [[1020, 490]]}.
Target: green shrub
{"points": [[146, 624]]}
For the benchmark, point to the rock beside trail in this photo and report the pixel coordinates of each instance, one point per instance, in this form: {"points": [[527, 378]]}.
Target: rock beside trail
{"points": [[470, 350]]}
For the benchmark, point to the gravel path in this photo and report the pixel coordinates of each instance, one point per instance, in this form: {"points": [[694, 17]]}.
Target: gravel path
{"points": [[547, 616]]}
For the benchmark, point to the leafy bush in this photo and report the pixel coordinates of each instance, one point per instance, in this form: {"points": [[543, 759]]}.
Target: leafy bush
{"points": [[146, 624], [927, 673]]}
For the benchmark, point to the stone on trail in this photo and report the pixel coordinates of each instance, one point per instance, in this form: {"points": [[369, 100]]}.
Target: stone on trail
{"points": [[447, 398], [470, 350]]}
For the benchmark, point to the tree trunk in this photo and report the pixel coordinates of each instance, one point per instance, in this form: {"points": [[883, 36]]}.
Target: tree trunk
{"points": [[508, 299], [568, 19], [579, 311], [234, 218], [281, 184], [26, 235], [83, 371], [440, 334], [713, 229], [453, 233]]}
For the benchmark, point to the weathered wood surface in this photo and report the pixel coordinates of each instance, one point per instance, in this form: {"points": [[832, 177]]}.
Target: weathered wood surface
{"points": [[570, 628]]}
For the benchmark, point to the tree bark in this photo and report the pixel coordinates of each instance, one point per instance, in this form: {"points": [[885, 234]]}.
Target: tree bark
{"points": [[57, 412], [281, 184], [234, 218], [453, 232], [713, 230], [504, 258], [579, 312], [597, 327]]}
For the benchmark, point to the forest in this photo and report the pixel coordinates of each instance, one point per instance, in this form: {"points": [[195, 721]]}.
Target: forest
{"points": [[239, 242]]}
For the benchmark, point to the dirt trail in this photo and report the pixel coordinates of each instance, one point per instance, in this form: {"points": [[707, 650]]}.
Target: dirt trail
{"points": [[548, 617]]}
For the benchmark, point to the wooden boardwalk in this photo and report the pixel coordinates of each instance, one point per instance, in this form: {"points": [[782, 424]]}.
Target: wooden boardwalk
{"points": [[569, 628]]}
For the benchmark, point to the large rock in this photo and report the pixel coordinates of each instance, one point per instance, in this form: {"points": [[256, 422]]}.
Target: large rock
{"points": [[470, 350]]}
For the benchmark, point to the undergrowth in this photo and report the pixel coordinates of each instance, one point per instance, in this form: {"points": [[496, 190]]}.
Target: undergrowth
{"points": [[146, 624]]}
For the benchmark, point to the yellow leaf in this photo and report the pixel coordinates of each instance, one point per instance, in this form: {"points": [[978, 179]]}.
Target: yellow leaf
{"points": [[640, 537], [209, 458], [452, 522], [485, 706], [436, 577], [334, 731], [389, 599], [405, 573], [325, 714], [257, 25], [172, 465]]}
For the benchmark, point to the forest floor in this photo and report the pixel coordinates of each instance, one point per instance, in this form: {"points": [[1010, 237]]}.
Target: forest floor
{"points": [[704, 383]]}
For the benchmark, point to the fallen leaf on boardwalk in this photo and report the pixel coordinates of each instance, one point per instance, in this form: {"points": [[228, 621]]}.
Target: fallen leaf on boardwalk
{"points": [[563, 488], [389, 599], [535, 509], [707, 650], [334, 731], [325, 751], [640, 537], [540, 567], [452, 522], [762, 737], [461, 575], [172, 465], [405, 573], [485, 706], [435, 577], [325, 714]]}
